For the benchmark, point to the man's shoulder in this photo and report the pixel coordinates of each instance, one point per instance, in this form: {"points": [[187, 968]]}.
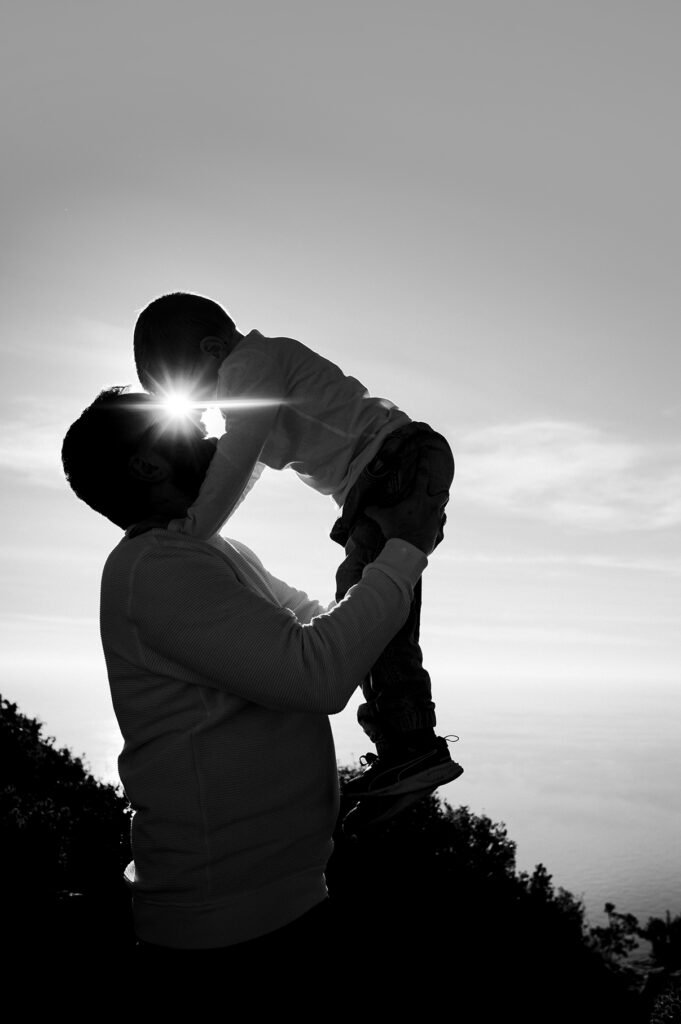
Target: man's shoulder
{"points": [[161, 572], [156, 546]]}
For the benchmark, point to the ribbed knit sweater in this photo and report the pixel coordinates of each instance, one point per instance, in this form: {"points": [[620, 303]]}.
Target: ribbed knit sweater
{"points": [[222, 679]]}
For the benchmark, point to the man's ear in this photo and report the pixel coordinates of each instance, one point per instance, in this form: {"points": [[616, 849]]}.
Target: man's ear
{"points": [[215, 347], [146, 470]]}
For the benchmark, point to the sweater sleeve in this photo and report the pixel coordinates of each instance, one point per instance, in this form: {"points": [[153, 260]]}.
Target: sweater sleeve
{"points": [[303, 607], [196, 621]]}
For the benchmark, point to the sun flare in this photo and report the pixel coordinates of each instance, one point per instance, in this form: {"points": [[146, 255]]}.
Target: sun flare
{"points": [[178, 405]]}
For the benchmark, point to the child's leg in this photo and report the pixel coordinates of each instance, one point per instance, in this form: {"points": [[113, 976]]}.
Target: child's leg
{"points": [[362, 546], [399, 711], [398, 714], [401, 707]]}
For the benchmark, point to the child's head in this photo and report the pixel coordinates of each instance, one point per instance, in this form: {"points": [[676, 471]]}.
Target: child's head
{"points": [[170, 341]]}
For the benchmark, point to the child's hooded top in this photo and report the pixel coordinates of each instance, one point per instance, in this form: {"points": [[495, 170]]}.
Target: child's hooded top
{"points": [[299, 412]]}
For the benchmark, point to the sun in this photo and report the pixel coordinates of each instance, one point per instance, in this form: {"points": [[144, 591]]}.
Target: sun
{"points": [[177, 404]]}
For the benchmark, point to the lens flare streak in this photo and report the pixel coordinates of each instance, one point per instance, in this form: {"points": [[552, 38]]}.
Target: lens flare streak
{"points": [[179, 406]]}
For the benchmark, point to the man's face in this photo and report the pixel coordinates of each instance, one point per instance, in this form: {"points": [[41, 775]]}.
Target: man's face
{"points": [[188, 451], [179, 441]]}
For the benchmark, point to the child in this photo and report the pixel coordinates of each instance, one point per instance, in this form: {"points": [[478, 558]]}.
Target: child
{"points": [[288, 408]]}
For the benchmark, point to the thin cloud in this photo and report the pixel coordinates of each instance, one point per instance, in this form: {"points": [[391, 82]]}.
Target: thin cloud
{"points": [[520, 634], [31, 440], [30, 446], [666, 566], [35, 456], [571, 474], [79, 342], [22, 619]]}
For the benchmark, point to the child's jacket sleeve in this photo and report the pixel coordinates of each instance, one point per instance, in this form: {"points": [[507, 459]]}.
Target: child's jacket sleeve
{"points": [[251, 392], [226, 484]]}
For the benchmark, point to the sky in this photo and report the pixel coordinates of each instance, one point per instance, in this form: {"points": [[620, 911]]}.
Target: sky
{"points": [[471, 207]]}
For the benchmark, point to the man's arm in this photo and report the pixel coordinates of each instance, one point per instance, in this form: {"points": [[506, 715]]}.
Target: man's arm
{"points": [[198, 622]]}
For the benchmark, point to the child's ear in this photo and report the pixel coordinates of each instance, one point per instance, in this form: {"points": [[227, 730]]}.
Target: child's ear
{"points": [[215, 347]]}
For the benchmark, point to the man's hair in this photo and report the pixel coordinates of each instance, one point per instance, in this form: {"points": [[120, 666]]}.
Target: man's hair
{"points": [[96, 453], [168, 336]]}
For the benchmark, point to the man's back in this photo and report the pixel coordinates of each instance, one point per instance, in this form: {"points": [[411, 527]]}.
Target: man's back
{"points": [[225, 813]]}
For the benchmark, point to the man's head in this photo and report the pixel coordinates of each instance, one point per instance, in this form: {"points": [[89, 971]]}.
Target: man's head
{"points": [[129, 459], [180, 340]]}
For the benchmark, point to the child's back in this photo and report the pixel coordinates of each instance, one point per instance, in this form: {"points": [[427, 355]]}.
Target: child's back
{"points": [[327, 427]]}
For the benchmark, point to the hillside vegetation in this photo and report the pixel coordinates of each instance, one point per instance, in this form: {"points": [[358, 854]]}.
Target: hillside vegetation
{"points": [[431, 899]]}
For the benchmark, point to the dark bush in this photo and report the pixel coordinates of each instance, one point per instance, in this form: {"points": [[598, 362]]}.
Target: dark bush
{"points": [[431, 909], [65, 841]]}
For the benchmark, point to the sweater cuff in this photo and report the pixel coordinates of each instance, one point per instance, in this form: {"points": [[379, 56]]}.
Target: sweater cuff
{"points": [[400, 560]]}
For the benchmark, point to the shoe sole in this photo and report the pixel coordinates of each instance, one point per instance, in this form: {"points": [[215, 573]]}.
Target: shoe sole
{"points": [[357, 825], [429, 778]]}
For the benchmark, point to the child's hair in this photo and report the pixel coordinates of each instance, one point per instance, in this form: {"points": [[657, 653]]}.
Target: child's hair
{"points": [[168, 334]]}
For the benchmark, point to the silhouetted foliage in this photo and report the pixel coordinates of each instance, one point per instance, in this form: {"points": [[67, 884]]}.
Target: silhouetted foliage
{"points": [[65, 841], [434, 894], [664, 935], [430, 906], [661, 989], [667, 1004], [616, 940]]}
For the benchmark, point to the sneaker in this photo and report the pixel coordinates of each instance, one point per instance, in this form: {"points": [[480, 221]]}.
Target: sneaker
{"points": [[409, 773], [368, 813]]}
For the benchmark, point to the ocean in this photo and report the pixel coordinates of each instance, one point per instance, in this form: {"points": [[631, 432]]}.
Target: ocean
{"points": [[586, 779]]}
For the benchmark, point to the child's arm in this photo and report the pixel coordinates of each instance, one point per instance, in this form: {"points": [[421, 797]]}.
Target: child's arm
{"points": [[229, 473], [255, 476]]}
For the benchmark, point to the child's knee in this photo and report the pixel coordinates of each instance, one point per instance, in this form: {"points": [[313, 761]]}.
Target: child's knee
{"points": [[440, 461]]}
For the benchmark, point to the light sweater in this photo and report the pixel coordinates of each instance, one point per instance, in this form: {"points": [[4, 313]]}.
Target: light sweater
{"points": [[222, 679], [305, 415]]}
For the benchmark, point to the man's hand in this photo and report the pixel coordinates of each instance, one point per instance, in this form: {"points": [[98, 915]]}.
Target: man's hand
{"points": [[419, 519]]}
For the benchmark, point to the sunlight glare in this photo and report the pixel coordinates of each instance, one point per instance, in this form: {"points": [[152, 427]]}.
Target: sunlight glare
{"points": [[213, 422], [177, 404]]}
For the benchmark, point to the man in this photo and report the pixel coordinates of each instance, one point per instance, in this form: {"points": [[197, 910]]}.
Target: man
{"points": [[222, 679]]}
